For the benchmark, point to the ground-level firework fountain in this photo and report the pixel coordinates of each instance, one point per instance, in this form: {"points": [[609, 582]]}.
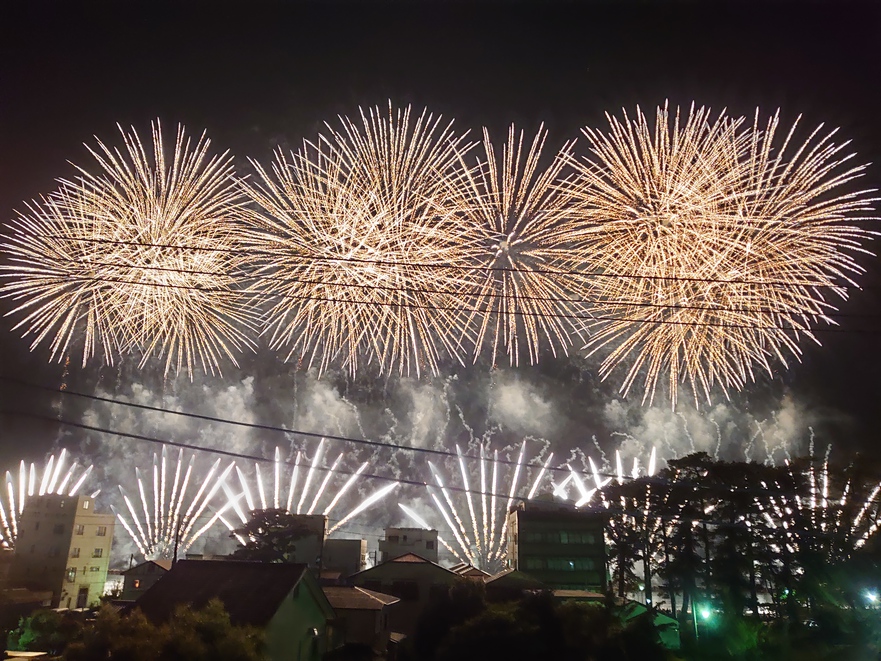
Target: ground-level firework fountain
{"points": [[31, 482], [171, 518], [478, 539], [296, 497]]}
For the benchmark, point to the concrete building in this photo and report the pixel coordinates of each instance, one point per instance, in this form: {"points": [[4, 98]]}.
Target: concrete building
{"points": [[346, 556], [362, 615], [64, 546], [140, 578], [399, 541], [283, 599], [559, 546], [411, 578]]}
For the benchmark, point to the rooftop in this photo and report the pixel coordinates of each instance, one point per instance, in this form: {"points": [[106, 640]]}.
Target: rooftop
{"points": [[250, 591], [344, 597]]}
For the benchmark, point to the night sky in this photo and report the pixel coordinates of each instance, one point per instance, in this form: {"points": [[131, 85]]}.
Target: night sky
{"points": [[256, 75]]}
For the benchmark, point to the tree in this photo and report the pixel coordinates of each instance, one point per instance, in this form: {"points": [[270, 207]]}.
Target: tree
{"points": [[271, 536], [44, 631], [190, 635]]}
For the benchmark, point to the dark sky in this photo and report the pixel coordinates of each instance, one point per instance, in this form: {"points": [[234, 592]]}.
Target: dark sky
{"points": [[255, 74]]}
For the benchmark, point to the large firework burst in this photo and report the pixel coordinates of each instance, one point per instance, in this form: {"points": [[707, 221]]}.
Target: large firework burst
{"points": [[171, 516], [53, 479], [482, 543], [523, 241], [714, 247], [359, 245], [137, 256], [298, 498]]}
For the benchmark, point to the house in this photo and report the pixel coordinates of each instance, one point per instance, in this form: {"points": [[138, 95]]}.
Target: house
{"points": [[64, 546], [411, 578], [465, 570], [284, 600], [140, 578], [399, 541], [511, 584], [560, 546], [362, 615]]}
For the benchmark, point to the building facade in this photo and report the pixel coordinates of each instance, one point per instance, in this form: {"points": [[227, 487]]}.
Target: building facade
{"points": [[64, 546], [140, 578], [560, 546], [347, 556], [400, 541]]}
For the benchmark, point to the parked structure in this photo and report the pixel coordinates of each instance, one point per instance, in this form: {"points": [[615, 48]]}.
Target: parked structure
{"points": [[399, 541], [362, 615], [140, 578], [64, 546], [411, 578], [560, 546], [284, 600]]}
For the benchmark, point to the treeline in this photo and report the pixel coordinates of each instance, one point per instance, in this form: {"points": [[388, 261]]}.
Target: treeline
{"points": [[746, 538]]}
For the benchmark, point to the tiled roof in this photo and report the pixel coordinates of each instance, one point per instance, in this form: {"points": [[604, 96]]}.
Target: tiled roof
{"points": [[164, 564], [352, 598], [250, 591], [512, 578], [410, 557]]}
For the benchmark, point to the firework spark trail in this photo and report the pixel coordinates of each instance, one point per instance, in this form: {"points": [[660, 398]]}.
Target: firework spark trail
{"points": [[484, 546], [305, 494], [521, 240], [27, 487], [362, 224], [139, 256], [424, 524], [732, 238], [367, 502], [163, 524]]}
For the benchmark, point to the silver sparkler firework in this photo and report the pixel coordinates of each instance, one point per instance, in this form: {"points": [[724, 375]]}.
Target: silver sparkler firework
{"points": [[52, 480], [299, 498], [478, 540], [168, 519]]}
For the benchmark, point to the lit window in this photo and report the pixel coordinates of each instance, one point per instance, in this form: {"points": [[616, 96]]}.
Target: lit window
{"points": [[71, 574], [137, 583], [85, 504], [80, 529], [94, 569], [102, 531], [98, 553]]}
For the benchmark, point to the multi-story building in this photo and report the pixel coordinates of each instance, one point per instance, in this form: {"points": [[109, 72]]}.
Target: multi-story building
{"points": [[399, 541], [560, 546], [64, 546], [346, 556]]}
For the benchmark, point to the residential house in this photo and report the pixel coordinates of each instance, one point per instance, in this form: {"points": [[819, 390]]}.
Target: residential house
{"points": [[411, 578], [64, 546], [399, 541], [140, 578], [362, 615], [346, 556], [284, 600], [465, 570], [511, 584]]}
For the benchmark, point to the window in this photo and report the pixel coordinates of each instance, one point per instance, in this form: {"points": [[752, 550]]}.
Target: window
{"points": [[58, 529], [137, 583], [98, 553], [37, 525], [429, 545], [405, 538], [71, 574], [74, 553], [93, 569], [80, 529], [85, 504], [393, 539], [102, 531]]}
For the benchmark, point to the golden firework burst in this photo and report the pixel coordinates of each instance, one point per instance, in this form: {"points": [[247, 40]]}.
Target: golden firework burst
{"points": [[713, 246], [139, 256], [523, 241], [359, 245]]}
